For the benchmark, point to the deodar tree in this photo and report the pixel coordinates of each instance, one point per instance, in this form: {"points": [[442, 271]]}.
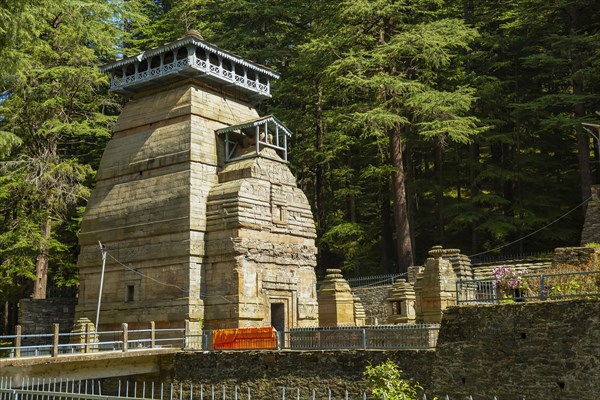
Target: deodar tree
{"points": [[55, 122], [397, 69]]}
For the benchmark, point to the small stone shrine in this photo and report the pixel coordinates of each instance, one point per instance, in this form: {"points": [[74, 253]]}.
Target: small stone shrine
{"points": [[336, 301], [194, 202], [435, 288], [401, 303]]}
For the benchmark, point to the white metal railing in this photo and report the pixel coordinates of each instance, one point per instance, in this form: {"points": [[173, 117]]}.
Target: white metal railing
{"points": [[57, 343], [401, 336], [28, 388]]}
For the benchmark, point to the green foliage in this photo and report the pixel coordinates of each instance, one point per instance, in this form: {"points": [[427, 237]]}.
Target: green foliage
{"points": [[386, 380], [487, 96], [56, 118]]}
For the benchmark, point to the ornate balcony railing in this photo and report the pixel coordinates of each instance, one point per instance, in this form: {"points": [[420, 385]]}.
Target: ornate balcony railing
{"points": [[191, 57]]}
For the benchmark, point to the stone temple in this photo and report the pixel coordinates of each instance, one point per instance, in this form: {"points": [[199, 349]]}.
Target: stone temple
{"points": [[198, 211]]}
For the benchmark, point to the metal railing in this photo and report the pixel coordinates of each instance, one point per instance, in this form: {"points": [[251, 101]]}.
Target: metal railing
{"points": [[372, 281], [57, 343], [532, 287], [59, 389], [375, 280], [542, 255], [401, 336]]}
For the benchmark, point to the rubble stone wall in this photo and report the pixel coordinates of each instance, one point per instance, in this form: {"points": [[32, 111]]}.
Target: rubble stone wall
{"points": [[374, 301], [544, 350], [38, 316]]}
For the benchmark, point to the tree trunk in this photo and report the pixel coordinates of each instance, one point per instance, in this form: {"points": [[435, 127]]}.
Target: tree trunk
{"points": [[41, 261], [583, 140], [474, 191], [319, 173], [403, 241], [439, 194], [387, 244]]}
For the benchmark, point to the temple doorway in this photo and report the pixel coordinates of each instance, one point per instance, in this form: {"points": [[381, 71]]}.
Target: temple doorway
{"points": [[278, 316]]}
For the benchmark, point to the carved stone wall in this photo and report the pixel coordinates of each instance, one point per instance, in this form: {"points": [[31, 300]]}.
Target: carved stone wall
{"points": [[260, 253], [150, 209]]}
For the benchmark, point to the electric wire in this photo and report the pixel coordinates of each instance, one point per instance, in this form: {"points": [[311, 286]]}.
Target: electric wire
{"points": [[533, 233], [160, 282], [144, 275]]}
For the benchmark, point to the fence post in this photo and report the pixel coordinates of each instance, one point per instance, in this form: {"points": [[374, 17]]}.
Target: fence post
{"points": [[55, 331], [152, 334], [86, 349], [542, 288], [364, 339], [186, 334], [125, 337], [18, 341], [457, 291]]}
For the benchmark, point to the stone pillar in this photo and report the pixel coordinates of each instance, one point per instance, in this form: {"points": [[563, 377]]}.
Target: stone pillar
{"points": [[401, 303], [84, 334], [435, 288], [336, 302], [360, 316]]}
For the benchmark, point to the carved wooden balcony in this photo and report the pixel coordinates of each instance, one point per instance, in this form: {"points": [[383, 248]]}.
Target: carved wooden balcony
{"points": [[190, 57]]}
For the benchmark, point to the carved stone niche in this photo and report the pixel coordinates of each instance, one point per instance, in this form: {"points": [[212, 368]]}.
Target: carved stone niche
{"points": [[401, 303]]}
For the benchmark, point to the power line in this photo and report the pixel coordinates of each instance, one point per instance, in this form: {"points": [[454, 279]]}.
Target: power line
{"points": [[144, 275], [160, 282], [533, 233]]}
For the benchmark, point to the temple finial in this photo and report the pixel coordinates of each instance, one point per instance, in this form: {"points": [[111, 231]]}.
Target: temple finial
{"points": [[193, 33]]}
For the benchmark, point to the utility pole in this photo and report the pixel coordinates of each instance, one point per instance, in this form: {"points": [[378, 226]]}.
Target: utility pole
{"points": [[103, 253]]}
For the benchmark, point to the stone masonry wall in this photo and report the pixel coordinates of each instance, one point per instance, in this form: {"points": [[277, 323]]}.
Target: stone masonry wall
{"points": [[545, 350], [38, 316], [265, 373], [484, 271], [374, 300], [585, 258], [591, 225]]}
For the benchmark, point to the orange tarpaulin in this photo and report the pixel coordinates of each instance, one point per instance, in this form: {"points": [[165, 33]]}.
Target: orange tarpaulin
{"points": [[245, 338]]}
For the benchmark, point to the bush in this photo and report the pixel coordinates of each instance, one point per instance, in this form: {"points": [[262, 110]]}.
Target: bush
{"points": [[386, 379]]}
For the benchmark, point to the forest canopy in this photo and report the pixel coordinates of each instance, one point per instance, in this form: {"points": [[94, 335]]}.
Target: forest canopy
{"points": [[415, 123]]}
